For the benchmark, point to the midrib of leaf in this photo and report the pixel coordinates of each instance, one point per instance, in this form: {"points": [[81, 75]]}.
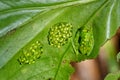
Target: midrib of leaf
{"points": [[60, 62], [7, 29], [6, 51], [71, 4], [51, 7], [55, 6], [40, 9], [109, 20]]}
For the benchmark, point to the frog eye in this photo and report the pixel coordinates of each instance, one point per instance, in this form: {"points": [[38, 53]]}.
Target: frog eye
{"points": [[59, 34], [86, 40], [31, 54]]}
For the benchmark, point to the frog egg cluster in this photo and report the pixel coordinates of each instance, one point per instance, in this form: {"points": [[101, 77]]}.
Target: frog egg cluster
{"points": [[31, 54], [86, 40], [59, 34]]}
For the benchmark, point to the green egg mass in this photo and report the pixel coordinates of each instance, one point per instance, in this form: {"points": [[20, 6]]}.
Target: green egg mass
{"points": [[59, 34], [31, 54], [86, 40]]}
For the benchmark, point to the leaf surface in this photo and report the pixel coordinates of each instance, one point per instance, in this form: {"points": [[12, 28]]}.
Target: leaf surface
{"points": [[23, 22]]}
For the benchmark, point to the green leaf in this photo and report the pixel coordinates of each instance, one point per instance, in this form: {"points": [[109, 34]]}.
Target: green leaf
{"points": [[31, 27], [105, 24], [118, 56], [24, 22], [17, 13], [113, 76]]}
